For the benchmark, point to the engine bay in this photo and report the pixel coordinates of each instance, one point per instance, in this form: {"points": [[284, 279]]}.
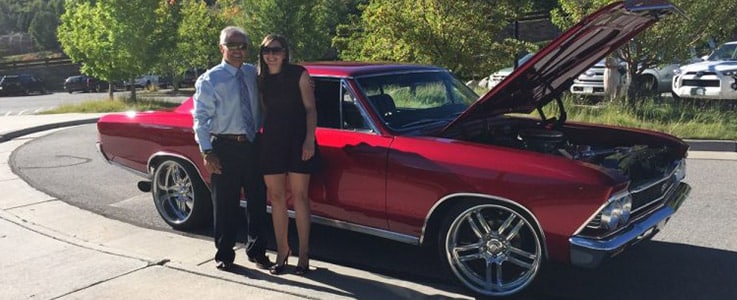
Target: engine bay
{"points": [[640, 162]]}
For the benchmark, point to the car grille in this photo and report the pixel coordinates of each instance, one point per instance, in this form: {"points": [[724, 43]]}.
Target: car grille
{"points": [[651, 196], [701, 73], [704, 83]]}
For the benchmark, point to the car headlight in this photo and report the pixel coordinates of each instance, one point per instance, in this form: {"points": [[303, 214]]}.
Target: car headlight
{"points": [[677, 71], [617, 211], [680, 172], [730, 73]]}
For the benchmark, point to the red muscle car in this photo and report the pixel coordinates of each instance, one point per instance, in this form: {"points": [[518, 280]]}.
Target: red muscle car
{"points": [[411, 154]]}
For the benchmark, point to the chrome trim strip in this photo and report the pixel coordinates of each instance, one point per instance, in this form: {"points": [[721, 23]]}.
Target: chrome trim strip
{"points": [[345, 86], [382, 233], [401, 72], [131, 170], [484, 196], [98, 145], [182, 157]]}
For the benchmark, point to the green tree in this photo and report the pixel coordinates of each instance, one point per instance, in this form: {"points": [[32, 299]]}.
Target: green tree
{"points": [[190, 29], [112, 39], [464, 36], [43, 30], [307, 24]]}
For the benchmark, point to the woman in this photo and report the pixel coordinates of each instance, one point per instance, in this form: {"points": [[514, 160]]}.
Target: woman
{"points": [[288, 149]]}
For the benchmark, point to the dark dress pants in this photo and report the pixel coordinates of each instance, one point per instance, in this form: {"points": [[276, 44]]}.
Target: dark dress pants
{"points": [[240, 169]]}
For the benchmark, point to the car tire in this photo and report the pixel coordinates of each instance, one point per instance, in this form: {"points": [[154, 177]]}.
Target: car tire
{"points": [[492, 249], [647, 85], [181, 197]]}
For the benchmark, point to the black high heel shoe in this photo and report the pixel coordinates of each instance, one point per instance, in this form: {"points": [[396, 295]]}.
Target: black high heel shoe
{"points": [[301, 270], [278, 268]]}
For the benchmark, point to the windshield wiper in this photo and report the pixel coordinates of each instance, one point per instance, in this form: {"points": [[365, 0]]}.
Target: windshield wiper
{"points": [[425, 122]]}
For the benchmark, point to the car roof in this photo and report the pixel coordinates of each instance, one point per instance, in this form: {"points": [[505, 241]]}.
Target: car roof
{"points": [[357, 69]]}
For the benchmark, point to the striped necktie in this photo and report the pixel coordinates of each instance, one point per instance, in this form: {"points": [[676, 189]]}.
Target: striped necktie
{"points": [[246, 106]]}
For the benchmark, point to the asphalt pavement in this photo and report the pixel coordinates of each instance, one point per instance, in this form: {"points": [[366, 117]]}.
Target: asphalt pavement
{"points": [[53, 250]]}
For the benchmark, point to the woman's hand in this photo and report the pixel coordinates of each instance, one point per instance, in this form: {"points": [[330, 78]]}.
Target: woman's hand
{"points": [[308, 150]]}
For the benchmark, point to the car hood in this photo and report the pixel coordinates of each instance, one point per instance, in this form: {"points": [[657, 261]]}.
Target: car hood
{"points": [[718, 65], [552, 70]]}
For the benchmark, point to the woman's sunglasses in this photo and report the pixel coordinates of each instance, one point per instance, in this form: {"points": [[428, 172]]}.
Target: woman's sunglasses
{"points": [[272, 50]]}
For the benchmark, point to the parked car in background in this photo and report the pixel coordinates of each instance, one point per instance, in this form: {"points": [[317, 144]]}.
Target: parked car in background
{"points": [[713, 78], [22, 84], [190, 77], [409, 153], [656, 80], [591, 82], [498, 76], [147, 81], [84, 83], [651, 81]]}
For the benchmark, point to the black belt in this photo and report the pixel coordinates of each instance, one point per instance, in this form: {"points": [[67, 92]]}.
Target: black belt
{"points": [[233, 137]]}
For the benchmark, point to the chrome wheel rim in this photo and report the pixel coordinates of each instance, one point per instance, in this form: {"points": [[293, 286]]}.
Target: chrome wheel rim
{"points": [[493, 250], [173, 192]]}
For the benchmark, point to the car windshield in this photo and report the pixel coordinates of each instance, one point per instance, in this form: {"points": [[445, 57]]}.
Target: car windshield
{"points": [[724, 52], [409, 101], [9, 79]]}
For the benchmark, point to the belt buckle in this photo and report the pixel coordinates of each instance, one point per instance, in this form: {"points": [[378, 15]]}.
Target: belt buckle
{"points": [[240, 138]]}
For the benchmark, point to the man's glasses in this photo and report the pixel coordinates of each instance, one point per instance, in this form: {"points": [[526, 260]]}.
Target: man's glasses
{"points": [[235, 46], [272, 50]]}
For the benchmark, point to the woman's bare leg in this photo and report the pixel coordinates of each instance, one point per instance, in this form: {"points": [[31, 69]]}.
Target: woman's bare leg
{"points": [[276, 191], [299, 186]]}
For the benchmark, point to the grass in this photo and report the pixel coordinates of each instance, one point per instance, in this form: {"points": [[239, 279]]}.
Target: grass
{"points": [[683, 119], [121, 103]]}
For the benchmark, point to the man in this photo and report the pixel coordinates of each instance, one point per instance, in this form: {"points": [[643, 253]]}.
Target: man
{"points": [[226, 122]]}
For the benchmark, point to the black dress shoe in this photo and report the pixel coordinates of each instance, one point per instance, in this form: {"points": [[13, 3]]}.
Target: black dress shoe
{"points": [[262, 262], [221, 265]]}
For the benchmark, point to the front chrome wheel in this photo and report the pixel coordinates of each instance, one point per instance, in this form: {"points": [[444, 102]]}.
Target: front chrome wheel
{"points": [[493, 250], [178, 195]]}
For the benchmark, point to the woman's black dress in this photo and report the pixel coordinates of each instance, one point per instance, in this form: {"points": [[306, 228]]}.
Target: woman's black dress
{"points": [[285, 124]]}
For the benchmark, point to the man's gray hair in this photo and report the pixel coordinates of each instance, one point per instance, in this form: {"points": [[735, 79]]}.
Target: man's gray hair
{"points": [[230, 30]]}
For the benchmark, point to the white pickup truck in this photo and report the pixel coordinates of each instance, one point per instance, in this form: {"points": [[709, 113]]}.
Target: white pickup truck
{"points": [[713, 78]]}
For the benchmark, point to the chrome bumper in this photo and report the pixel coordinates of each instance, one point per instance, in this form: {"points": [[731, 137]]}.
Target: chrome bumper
{"points": [[590, 253]]}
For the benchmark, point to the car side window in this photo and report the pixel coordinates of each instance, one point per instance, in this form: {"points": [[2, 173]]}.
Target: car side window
{"points": [[337, 107], [353, 116]]}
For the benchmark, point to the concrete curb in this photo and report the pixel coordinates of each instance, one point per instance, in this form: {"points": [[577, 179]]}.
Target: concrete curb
{"points": [[25, 131], [712, 145]]}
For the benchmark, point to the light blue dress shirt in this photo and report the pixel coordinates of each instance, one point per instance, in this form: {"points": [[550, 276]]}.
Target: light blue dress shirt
{"points": [[217, 103]]}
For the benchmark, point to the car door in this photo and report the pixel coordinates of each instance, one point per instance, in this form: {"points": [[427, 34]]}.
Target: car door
{"points": [[351, 184]]}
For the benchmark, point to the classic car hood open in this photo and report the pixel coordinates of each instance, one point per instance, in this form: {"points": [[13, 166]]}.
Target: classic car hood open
{"points": [[552, 70]]}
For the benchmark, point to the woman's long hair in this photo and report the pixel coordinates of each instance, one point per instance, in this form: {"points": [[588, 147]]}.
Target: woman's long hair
{"points": [[262, 67]]}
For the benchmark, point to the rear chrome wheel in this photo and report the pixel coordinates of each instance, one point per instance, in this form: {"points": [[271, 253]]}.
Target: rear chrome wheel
{"points": [[492, 250], [180, 196]]}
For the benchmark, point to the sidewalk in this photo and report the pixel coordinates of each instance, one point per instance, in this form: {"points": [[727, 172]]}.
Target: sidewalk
{"points": [[52, 250]]}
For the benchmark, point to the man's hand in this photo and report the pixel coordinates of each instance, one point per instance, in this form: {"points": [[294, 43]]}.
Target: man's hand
{"points": [[212, 163]]}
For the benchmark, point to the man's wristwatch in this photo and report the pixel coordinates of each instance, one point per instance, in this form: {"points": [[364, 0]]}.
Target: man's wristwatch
{"points": [[206, 152]]}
